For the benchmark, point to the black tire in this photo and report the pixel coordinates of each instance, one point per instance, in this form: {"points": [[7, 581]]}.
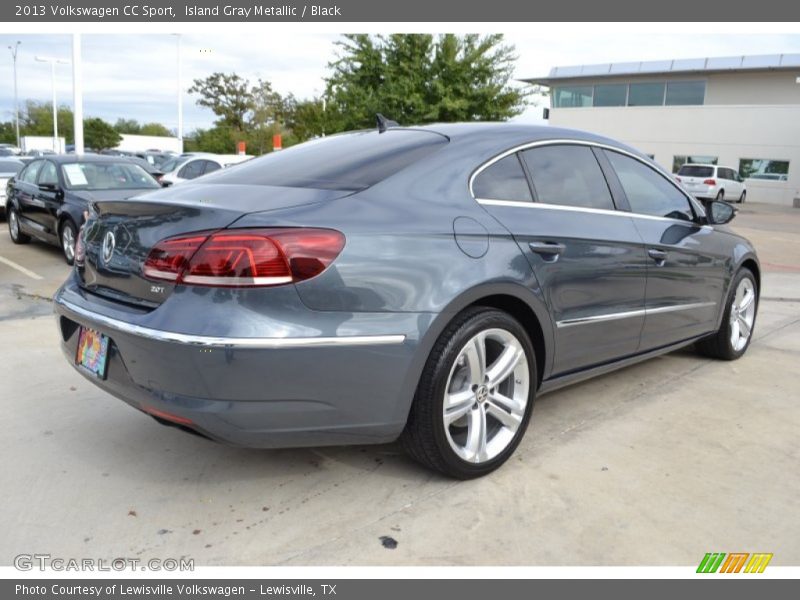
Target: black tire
{"points": [[424, 437], [719, 344], [14, 231], [720, 196], [743, 197], [68, 228]]}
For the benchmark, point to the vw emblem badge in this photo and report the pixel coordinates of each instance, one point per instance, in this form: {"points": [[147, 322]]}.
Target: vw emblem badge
{"points": [[108, 246]]}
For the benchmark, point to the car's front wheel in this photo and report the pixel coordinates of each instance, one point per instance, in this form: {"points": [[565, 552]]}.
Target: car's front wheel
{"points": [[736, 331], [475, 397], [69, 233], [14, 227]]}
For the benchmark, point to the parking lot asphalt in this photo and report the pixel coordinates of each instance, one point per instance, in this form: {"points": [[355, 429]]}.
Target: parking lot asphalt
{"points": [[655, 464]]}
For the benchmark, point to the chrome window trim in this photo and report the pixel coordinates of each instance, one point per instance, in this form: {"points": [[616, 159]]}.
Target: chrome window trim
{"points": [[228, 342], [655, 167], [643, 312]]}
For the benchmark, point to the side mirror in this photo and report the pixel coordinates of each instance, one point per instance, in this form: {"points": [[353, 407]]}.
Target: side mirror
{"points": [[49, 187], [719, 213]]}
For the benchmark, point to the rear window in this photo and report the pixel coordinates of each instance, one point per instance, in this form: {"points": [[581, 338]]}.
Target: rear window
{"points": [[352, 161], [695, 171]]}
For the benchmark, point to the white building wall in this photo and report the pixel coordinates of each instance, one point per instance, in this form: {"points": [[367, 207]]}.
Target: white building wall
{"points": [[140, 143], [731, 132]]}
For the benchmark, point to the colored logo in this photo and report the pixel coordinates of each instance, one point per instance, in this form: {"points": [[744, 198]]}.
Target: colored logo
{"points": [[735, 562]]}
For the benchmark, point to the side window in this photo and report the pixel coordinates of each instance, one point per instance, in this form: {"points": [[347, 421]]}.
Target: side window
{"points": [[648, 192], [48, 174], [191, 169], [30, 174], [569, 176], [210, 167], [504, 180]]}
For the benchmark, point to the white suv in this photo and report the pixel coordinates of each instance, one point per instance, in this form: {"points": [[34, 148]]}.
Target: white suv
{"points": [[710, 182]]}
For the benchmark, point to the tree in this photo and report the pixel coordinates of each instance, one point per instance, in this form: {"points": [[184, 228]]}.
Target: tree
{"points": [[416, 79], [36, 118], [227, 95], [156, 129], [220, 140], [99, 134], [127, 126]]}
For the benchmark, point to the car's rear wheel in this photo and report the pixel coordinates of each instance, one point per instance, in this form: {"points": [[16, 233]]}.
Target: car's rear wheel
{"points": [[736, 331], [743, 197], [68, 235], [14, 227], [475, 396], [720, 196]]}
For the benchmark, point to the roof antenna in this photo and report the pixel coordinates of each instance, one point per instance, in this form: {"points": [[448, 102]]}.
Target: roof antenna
{"points": [[384, 123]]}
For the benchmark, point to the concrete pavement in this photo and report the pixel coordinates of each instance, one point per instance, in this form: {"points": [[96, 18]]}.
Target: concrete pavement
{"points": [[656, 464]]}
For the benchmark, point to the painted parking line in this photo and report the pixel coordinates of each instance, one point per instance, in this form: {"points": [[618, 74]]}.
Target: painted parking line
{"points": [[20, 268]]}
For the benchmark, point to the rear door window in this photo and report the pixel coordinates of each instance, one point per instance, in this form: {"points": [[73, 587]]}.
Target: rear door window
{"points": [[503, 180], [568, 175], [210, 167], [192, 169], [649, 192]]}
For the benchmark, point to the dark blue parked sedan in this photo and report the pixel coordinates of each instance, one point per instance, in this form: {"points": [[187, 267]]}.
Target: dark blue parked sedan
{"points": [[415, 283], [48, 198]]}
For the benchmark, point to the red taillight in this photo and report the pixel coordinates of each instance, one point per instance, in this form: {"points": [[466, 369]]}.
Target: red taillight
{"points": [[710, 182], [244, 257]]}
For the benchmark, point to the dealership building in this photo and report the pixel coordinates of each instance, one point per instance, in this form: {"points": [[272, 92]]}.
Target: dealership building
{"points": [[741, 112]]}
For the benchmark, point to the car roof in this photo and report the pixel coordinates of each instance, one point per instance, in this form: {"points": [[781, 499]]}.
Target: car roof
{"points": [[64, 159]]}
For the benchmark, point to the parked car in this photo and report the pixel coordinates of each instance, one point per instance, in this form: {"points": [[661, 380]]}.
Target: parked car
{"points": [[49, 197], [9, 167], [153, 170], [424, 284], [11, 149], [39, 153], [710, 182], [185, 168]]}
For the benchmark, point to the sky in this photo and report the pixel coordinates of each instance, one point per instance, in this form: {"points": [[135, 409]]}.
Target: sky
{"points": [[135, 76]]}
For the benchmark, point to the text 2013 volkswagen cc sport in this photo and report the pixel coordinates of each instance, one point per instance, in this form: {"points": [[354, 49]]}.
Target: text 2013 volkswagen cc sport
{"points": [[416, 283]]}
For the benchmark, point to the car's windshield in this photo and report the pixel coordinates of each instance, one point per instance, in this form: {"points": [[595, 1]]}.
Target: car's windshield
{"points": [[106, 176], [696, 171]]}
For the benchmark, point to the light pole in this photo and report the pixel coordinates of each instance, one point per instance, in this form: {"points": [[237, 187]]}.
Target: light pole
{"points": [[53, 62], [77, 93], [14, 49], [180, 93]]}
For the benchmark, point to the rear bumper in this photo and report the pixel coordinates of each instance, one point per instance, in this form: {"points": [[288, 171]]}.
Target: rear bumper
{"points": [[345, 385]]}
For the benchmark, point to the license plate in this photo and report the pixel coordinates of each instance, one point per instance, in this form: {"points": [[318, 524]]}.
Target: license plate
{"points": [[93, 352]]}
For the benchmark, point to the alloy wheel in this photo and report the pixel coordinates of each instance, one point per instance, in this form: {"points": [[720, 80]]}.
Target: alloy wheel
{"points": [[13, 224], [486, 395], [743, 314], [68, 242]]}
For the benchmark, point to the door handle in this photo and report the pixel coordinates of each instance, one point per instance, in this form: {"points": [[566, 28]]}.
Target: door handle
{"points": [[547, 250], [657, 255]]}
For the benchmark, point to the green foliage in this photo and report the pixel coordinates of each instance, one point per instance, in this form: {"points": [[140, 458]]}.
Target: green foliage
{"points": [[155, 129], [227, 95], [100, 135], [8, 133], [218, 139], [415, 79], [36, 118], [130, 126]]}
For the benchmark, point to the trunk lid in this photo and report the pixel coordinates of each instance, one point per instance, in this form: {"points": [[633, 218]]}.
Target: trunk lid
{"points": [[120, 233]]}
